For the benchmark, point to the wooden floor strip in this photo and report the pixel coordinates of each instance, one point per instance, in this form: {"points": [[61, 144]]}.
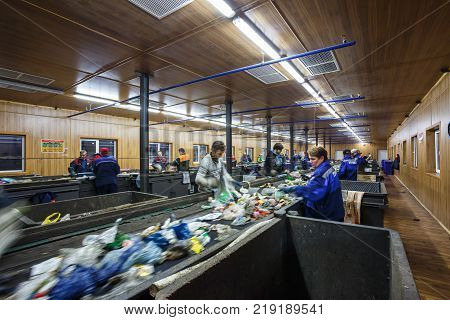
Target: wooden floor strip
{"points": [[426, 243]]}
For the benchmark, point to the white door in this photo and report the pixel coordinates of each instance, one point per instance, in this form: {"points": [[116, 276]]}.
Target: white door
{"points": [[382, 155]]}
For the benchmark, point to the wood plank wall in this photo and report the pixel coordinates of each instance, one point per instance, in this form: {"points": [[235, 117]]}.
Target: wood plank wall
{"points": [[431, 189], [37, 122]]}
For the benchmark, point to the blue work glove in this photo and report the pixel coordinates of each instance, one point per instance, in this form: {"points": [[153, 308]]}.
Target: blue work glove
{"points": [[288, 189]]}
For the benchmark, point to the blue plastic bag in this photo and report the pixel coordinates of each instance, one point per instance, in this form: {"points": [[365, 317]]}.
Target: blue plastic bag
{"points": [[77, 283], [182, 231], [149, 253], [158, 239]]}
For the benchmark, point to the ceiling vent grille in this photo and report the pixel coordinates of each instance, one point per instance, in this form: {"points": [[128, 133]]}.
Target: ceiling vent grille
{"points": [[11, 87], [326, 116], [350, 96], [320, 63], [160, 8], [24, 77], [317, 104], [152, 103], [267, 74]]}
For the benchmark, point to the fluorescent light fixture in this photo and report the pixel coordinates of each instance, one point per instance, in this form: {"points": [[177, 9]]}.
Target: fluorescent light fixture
{"points": [[287, 66], [223, 7], [331, 110], [310, 89], [254, 36], [93, 98], [30, 86]]}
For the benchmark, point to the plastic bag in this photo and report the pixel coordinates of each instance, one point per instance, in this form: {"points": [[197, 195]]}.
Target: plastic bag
{"points": [[73, 283], [118, 241], [85, 256], [195, 225], [240, 221], [210, 216], [182, 231], [158, 239], [196, 245], [105, 237], [149, 253]]}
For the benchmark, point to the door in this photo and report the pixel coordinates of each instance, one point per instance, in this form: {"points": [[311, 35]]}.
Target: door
{"points": [[382, 155]]}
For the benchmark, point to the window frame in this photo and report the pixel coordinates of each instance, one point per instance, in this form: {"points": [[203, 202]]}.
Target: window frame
{"points": [[252, 153], [23, 155], [199, 145], [97, 145], [169, 159], [437, 150], [414, 152]]}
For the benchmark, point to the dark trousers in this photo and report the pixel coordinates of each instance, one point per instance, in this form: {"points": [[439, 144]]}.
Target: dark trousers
{"points": [[107, 189]]}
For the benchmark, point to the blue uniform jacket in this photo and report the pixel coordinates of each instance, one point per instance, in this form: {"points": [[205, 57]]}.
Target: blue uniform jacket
{"points": [[106, 170], [360, 160], [348, 169], [322, 194]]}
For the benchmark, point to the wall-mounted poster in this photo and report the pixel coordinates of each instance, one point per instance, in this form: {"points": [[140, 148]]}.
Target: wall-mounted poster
{"points": [[52, 146]]}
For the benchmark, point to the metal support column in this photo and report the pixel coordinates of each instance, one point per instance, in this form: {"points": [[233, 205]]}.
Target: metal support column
{"points": [[229, 142], [306, 139], [269, 136], [317, 138], [143, 132], [324, 141], [291, 132]]}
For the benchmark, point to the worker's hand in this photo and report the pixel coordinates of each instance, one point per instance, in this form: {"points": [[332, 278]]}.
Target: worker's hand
{"points": [[212, 183], [288, 189]]}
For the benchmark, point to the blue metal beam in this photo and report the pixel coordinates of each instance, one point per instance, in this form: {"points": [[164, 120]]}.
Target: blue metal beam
{"points": [[226, 73]]}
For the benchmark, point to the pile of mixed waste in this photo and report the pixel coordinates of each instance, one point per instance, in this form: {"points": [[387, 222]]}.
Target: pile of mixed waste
{"points": [[114, 258]]}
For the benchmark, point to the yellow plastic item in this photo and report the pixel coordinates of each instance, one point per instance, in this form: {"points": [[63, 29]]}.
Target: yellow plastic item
{"points": [[196, 245], [49, 218]]}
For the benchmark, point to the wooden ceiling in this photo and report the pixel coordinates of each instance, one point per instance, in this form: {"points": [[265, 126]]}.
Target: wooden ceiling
{"points": [[96, 47]]}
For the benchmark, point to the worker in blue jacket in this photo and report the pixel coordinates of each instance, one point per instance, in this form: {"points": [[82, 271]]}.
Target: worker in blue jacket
{"points": [[349, 167], [322, 194], [106, 170], [359, 158]]}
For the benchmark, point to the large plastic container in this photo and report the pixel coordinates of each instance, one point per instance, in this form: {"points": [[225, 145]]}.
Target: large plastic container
{"points": [[83, 212], [300, 258], [373, 203]]}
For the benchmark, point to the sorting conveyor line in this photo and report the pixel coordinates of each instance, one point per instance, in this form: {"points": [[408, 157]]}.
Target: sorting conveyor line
{"points": [[20, 261]]}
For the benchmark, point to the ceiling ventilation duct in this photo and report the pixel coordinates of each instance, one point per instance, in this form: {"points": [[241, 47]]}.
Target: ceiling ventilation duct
{"points": [[160, 8], [320, 63], [25, 77], [267, 74]]}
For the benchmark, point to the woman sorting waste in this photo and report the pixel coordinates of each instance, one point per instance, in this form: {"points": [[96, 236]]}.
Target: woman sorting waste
{"points": [[322, 194], [212, 173]]}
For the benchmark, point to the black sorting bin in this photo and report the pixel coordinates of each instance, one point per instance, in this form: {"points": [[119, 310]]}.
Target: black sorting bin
{"points": [[169, 185], [64, 189], [373, 202], [300, 258], [87, 185], [84, 212]]}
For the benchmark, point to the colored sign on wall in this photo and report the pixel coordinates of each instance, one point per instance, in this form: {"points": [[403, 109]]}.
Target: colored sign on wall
{"points": [[52, 146]]}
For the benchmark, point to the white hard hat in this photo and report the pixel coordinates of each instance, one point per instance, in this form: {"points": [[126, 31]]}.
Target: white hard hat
{"points": [[354, 150]]}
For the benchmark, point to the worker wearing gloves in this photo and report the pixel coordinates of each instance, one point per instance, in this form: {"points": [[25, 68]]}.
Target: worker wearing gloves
{"points": [[322, 194], [106, 170], [349, 167], [275, 161], [212, 173]]}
